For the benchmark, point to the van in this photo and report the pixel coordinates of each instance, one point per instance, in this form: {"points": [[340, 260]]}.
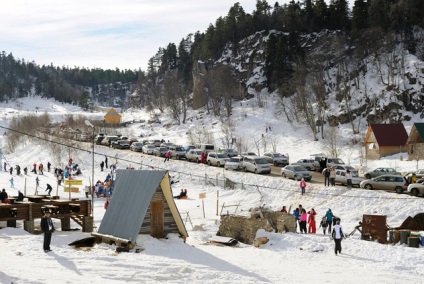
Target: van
{"points": [[205, 147], [255, 164], [321, 162]]}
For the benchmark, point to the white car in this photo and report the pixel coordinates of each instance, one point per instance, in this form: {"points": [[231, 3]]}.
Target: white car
{"points": [[235, 163], [416, 188], [306, 163], [194, 155], [341, 178], [148, 149], [352, 170], [216, 159]]}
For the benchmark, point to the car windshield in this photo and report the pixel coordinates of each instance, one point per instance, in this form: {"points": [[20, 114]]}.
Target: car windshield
{"points": [[277, 155], [338, 161], [179, 149], [151, 146], [197, 152], [235, 160], [261, 161], [138, 144], [350, 168], [209, 147], [221, 156], [390, 170], [299, 168]]}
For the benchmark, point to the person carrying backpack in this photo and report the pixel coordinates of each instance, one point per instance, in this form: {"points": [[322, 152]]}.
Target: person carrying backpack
{"points": [[337, 235]]}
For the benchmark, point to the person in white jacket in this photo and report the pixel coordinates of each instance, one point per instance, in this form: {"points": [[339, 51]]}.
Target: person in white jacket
{"points": [[337, 235]]}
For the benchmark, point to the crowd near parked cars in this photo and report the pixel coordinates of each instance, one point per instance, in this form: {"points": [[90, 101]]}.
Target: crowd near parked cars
{"points": [[334, 170]]}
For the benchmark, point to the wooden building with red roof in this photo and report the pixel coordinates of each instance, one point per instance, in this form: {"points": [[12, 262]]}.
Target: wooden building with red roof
{"points": [[385, 140]]}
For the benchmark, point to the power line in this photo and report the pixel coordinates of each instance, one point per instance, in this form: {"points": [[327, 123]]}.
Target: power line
{"points": [[199, 176]]}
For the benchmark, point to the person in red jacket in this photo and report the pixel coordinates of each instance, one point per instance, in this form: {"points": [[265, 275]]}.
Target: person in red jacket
{"points": [[312, 227]]}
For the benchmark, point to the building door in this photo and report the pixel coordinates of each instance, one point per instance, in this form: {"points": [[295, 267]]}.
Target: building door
{"points": [[156, 218]]}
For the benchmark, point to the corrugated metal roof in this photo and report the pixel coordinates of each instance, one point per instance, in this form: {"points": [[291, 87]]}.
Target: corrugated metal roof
{"points": [[129, 203], [390, 134]]}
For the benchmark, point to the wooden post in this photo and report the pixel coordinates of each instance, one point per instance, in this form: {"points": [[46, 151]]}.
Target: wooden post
{"points": [[217, 202]]}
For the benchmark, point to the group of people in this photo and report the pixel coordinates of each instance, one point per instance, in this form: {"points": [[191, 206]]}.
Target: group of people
{"points": [[304, 218], [329, 223]]}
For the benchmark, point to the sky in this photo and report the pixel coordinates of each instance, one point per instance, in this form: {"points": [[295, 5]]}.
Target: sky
{"points": [[286, 258], [103, 33]]}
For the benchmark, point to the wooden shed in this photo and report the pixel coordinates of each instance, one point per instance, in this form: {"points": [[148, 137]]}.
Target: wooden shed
{"points": [[112, 117], [385, 140], [415, 142], [142, 203]]}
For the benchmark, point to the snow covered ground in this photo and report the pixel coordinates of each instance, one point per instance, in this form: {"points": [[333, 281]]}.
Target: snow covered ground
{"points": [[287, 257]]}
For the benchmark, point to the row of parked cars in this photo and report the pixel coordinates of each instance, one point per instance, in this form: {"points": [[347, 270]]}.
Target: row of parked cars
{"points": [[380, 178]]}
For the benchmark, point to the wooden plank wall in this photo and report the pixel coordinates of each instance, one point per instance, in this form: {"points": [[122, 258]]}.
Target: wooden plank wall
{"points": [[170, 226]]}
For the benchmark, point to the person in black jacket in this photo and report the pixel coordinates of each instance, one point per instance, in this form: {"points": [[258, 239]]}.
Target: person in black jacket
{"points": [[48, 228], [49, 189]]}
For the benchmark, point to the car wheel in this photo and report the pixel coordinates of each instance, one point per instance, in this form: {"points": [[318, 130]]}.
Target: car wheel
{"points": [[244, 168], [197, 160], [308, 168], [284, 175], [368, 176], [209, 163], [295, 177], [275, 164], [398, 189], [256, 171], [218, 164], [368, 186], [414, 192]]}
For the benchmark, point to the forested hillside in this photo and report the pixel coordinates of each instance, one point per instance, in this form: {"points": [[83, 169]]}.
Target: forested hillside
{"points": [[327, 64], [80, 86]]}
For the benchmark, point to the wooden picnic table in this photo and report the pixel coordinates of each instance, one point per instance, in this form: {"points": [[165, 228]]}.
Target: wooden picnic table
{"points": [[36, 198]]}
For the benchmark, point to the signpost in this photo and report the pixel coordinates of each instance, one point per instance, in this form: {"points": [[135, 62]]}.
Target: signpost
{"points": [[203, 196], [70, 182]]}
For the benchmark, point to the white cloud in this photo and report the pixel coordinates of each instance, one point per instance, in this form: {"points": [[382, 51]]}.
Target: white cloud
{"points": [[99, 33]]}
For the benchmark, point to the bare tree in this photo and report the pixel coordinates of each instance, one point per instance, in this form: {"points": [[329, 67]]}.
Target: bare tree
{"points": [[332, 142], [227, 129], [305, 98]]}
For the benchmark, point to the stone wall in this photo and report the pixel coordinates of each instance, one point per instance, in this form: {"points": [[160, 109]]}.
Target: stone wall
{"points": [[244, 229]]}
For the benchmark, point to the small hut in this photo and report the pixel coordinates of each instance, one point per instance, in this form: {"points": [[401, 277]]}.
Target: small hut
{"points": [[112, 117], [142, 203], [385, 140]]}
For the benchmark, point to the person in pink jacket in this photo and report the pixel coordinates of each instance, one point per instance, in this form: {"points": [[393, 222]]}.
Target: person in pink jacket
{"points": [[302, 186], [302, 221]]}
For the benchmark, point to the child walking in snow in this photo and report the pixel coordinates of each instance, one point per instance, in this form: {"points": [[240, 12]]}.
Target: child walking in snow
{"points": [[324, 224]]}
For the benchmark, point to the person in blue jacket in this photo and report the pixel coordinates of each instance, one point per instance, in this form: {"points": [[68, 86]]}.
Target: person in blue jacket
{"points": [[329, 215], [296, 215]]}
